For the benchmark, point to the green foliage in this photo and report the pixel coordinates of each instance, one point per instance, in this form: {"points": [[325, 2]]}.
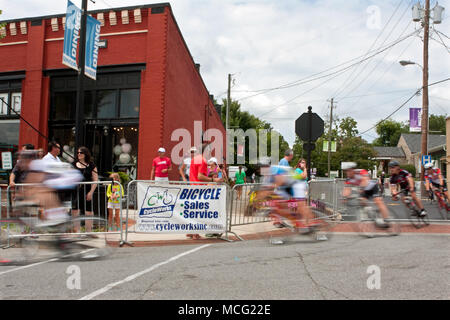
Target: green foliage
{"points": [[437, 124], [239, 119], [389, 132], [1, 24]]}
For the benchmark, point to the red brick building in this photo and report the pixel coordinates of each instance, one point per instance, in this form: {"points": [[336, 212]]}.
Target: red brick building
{"points": [[147, 86]]}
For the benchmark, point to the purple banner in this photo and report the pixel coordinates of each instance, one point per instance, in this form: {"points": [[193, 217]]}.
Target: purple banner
{"points": [[415, 120]]}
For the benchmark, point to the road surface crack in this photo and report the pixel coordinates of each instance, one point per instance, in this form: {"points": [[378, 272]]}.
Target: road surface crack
{"points": [[150, 287], [318, 285]]}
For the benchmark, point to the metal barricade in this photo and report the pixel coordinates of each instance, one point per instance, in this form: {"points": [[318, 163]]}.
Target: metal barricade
{"points": [[132, 205], [322, 195], [75, 201], [242, 205]]}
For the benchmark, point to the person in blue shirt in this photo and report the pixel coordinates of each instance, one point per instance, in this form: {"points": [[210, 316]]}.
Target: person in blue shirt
{"points": [[288, 156]]}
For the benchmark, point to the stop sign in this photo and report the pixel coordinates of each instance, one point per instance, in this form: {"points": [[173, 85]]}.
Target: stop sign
{"points": [[302, 126]]}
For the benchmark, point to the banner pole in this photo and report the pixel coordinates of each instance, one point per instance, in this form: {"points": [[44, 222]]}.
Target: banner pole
{"points": [[79, 126]]}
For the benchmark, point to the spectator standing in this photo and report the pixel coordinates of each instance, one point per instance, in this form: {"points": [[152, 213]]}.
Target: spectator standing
{"points": [[19, 172], [288, 156], [114, 193], [83, 202], [381, 182], [186, 166], [215, 171], [198, 172], [240, 179], [54, 149], [161, 167]]}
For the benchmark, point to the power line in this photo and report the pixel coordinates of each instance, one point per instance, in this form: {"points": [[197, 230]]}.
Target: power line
{"points": [[371, 72], [38, 132], [344, 84], [310, 78], [302, 94], [441, 42], [336, 75], [410, 98]]}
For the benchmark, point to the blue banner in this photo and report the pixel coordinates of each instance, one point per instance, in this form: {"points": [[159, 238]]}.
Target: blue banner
{"points": [[71, 35], [92, 45]]}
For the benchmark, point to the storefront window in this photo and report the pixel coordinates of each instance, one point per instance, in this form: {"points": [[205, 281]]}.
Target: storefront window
{"points": [[106, 104], [9, 131], [4, 100], [16, 101], [64, 106], [129, 103], [65, 136], [125, 149], [89, 104]]}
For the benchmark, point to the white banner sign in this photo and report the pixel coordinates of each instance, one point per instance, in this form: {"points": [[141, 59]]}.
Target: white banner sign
{"points": [[181, 209], [7, 161]]}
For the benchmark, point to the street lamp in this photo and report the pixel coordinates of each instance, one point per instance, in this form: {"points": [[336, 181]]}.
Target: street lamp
{"points": [[405, 63]]}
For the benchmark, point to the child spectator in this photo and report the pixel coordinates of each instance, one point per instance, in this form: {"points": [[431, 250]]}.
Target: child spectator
{"points": [[113, 193]]}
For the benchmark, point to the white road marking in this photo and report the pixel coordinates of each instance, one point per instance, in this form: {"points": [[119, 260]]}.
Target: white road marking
{"points": [[42, 262], [136, 275]]}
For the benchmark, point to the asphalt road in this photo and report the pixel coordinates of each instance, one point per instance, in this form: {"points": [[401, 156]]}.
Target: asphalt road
{"points": [[411, 267], [400, 210]]}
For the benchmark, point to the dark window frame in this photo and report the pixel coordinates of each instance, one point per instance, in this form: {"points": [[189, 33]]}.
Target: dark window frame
{"points": [[13, 86]]}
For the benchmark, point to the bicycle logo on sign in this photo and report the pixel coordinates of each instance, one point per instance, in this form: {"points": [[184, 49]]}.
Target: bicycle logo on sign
{"points": [[155, 200]]}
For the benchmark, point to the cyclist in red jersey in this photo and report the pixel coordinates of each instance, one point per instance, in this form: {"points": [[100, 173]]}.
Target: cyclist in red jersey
{"points": [[433, 178], [368, 189]]}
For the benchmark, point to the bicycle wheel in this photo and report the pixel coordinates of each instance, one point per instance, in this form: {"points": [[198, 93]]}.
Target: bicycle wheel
{"points": [[323, 231], [413, 215], [87, 245], [442, 208], [394, 226], [365, 222], [18, 246]]}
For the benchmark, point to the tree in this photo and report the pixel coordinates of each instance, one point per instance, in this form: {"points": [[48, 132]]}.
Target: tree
{"points": [[389, 132], [1, 25], [239, 119], [437, 124], [348, 127]]}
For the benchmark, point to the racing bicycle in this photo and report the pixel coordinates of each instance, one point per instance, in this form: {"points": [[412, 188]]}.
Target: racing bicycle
{"points": [[368, 218], [24, 238], [443, 205], [277, 208], [413, 212]]}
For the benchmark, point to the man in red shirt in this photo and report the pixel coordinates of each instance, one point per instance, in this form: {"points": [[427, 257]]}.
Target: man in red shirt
{"points": [[161, 167], [199, 168], [198, 173]]}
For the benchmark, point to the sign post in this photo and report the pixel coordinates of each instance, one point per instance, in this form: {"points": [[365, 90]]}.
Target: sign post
{"points": [[309, 127]]}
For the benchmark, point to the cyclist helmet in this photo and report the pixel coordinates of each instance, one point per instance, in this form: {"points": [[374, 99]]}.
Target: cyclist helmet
{"points": [[393, 164], [349, 165], [429, 165]]}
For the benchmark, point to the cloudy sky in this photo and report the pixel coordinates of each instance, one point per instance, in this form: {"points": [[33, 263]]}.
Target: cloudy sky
{"points": [[315, 45]]}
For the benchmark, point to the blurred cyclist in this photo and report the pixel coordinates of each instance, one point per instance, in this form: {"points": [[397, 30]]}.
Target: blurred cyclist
{"points": [[434, 179], [402, 178], [49, 177], [282, 182], [368, 189]]}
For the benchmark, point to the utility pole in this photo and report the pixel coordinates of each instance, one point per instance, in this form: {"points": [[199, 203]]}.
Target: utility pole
{"points": [[329, 138], [426, 38], [79, 125], [227, 125]]}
